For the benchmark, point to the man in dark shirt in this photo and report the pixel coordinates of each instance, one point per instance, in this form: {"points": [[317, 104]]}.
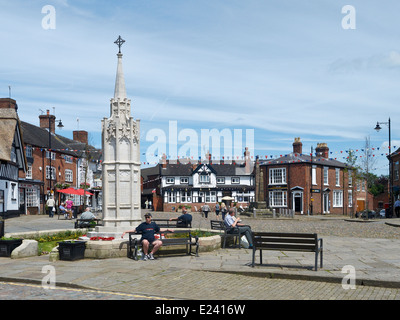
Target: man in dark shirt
{"points": [[184, 220], [148, 229]]}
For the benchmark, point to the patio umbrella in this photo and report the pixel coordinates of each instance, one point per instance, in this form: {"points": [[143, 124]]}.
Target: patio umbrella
{"points": [[228, 198], [78, 192]]}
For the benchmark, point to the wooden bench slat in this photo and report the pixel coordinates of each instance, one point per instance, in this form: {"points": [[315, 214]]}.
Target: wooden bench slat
{"points": [[287, 235], [285, 240], [288, 247]]}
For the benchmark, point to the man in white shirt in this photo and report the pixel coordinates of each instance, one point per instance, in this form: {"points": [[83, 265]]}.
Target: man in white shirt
{"points": [[232, 222], [50, 205]]}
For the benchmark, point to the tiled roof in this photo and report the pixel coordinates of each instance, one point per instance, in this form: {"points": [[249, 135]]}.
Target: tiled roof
{"points": [[299, 158]]}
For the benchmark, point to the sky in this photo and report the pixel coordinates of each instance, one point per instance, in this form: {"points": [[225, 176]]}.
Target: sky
{"points": [[280, 69]]}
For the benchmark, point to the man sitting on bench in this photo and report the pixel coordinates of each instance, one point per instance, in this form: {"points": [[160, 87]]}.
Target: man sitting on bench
{"points": [[232, 222], [148, 229], [184, 220], [86, 215]]}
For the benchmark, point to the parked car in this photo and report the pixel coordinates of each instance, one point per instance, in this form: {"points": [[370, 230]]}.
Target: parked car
{"points": [[371, 214]]}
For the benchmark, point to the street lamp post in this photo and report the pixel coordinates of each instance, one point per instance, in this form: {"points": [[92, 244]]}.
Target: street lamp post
{"points": [[378, 128], [60, 125]]}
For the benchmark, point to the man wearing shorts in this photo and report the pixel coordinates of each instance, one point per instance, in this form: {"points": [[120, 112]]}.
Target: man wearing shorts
{"points": [[148, 229]]}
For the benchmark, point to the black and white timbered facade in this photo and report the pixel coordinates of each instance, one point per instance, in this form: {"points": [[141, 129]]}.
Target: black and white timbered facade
{"points": [[195, 185]]}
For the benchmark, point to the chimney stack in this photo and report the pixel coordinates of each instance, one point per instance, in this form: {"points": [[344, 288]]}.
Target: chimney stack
{"points": [[46, 119], [8, 103], [297, 146], [322, 150], [81, 136], [164, 161]]}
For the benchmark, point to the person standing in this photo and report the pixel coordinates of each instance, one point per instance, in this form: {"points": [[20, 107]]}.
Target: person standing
{"points": [[50, 205], [224, 210], [397, 208], [217, 208], [206, 210], [68, 205]]}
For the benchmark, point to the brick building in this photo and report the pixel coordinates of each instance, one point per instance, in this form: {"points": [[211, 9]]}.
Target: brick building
{"points": [[309, 183], [50, 163], [395, 158]]}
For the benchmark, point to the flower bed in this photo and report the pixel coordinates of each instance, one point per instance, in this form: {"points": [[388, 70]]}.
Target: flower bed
{"points": [[102, 238]]}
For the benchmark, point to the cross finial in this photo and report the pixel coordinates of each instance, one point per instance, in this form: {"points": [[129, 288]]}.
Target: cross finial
{"points": [[119, 43]]}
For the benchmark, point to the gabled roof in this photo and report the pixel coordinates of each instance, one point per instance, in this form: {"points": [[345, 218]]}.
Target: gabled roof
{"points": [[39, 137], [151, 171], [204, 168]]}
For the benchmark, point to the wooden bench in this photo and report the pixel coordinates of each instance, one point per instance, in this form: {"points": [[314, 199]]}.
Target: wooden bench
{"points": [[189, 241], [165, 223], [306, 242], [227, 232], [87, 223]]}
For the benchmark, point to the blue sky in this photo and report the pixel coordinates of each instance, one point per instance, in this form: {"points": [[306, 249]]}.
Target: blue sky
{"points": [[284, 68]]}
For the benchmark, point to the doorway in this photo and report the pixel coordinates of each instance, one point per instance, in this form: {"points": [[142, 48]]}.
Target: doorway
{"points": [[298, 201], [326, 202]]}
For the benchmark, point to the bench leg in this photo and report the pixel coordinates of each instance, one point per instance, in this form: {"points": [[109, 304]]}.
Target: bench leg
{"points": [[321, 258], [316, 260], [254, 257], [197, 249]]}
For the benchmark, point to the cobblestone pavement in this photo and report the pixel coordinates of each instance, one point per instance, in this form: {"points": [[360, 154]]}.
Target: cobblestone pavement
{"points": [[26, 291], [372, 247], [199, 285]]}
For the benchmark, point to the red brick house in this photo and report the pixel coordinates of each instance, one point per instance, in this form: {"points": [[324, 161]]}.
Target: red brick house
{"points": [[48, 165], [309, 183]]}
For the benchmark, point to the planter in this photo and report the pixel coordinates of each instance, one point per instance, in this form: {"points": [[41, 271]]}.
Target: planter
{"points": [[7, 246], [71, 250]]}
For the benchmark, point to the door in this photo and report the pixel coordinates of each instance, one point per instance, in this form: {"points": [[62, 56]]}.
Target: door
{"points": [[326, 204], [298, 202], [22, 209]]}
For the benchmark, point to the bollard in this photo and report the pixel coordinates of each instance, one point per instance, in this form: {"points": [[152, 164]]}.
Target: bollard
{"points": [[273, 213], [254, 212]]}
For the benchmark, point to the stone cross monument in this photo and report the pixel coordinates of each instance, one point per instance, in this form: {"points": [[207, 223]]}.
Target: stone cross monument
{"points": [[121, 160]]}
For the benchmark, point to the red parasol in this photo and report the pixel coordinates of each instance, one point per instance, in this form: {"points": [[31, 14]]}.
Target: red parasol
{"points": [[78, 192]]}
